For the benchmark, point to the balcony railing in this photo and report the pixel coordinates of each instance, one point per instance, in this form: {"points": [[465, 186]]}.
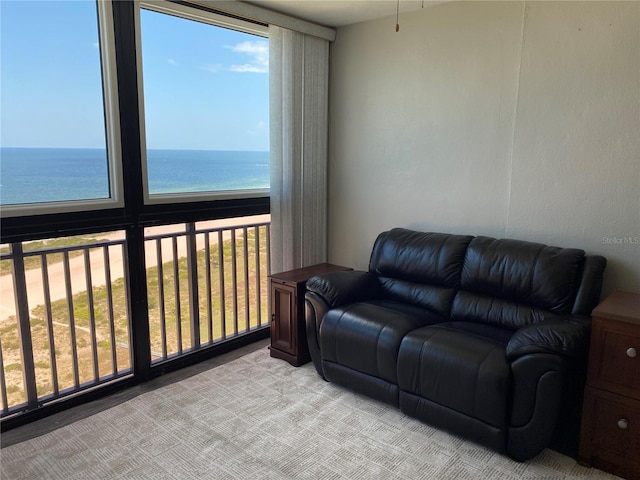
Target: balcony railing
{"points": [[205, 284], [65, 321]]}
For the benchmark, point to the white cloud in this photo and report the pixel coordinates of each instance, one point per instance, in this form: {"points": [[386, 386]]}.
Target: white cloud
{"points": [[247, 67], [172, 61], [258, 52]]}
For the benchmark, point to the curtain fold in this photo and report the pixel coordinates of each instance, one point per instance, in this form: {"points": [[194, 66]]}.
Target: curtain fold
{"points": [[299, 77]]}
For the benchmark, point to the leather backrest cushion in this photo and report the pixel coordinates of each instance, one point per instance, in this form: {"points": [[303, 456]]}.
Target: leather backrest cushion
{"points": [[419, 257], [471, 307], [523, 272], [430, 297]]}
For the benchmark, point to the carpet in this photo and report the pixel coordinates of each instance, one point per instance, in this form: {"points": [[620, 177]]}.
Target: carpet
{"points": [[260, 418]]}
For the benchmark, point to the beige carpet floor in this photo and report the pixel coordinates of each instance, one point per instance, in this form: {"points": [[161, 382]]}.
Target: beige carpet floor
{"points": [[259, 418]]}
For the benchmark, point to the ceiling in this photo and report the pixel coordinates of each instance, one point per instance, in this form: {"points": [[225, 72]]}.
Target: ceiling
{"points": [[337, 13]]}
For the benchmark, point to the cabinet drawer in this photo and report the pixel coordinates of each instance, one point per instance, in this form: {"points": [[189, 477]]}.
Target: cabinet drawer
{"points": [[616, 359], [616, 422]]}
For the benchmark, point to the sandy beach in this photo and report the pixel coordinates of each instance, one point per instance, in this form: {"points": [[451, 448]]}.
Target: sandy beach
{"points": [[57, 286]]}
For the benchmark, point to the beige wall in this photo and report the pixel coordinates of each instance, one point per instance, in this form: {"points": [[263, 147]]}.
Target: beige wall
{"points": [[508, 119]]}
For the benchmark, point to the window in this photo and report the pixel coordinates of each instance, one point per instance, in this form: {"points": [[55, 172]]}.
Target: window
{"points": [[206, 105], [59, 117], [75, 270]]}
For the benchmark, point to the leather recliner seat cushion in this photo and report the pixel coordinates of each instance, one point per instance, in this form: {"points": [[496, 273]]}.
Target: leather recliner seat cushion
{"points": [[365, 338], [458, 368]]}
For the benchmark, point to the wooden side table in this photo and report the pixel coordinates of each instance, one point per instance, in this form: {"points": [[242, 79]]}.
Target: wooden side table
{"points": [[288, 329], [610, 435]]}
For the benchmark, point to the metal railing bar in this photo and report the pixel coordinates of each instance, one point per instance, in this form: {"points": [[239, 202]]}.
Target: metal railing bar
{"points": [[207, 263], [238, 227], [72, 323], [50, 330], [245, 259], [161, 306], [192, 276], [268, 249], [234, 281], [71, 391], [256, 235], [223, 318], [70, 248], [176, 287], [205, 230], [268, 240], [3, 384], [127, 281], [112, 322], [92, 313], [24, 325]]}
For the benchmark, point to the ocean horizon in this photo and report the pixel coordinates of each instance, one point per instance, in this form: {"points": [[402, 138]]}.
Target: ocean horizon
{"points": [[35, 175]]}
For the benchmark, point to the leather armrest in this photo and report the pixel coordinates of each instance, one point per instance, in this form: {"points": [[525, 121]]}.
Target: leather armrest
{"points": [[568, 337], [341, 288]]}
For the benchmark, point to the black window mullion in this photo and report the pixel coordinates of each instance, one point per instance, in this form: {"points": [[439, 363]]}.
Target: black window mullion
{"points": [[125, 46]]}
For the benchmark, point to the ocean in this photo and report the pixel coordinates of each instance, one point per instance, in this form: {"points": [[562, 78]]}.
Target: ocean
{"points": [[30, 175]]}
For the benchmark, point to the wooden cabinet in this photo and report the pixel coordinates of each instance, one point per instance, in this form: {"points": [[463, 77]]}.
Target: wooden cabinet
{"points": [[610, 435], [288, 329]]}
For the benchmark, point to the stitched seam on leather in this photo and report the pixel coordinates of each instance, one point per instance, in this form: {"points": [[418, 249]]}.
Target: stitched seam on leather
{"points": [[419, 380], [475, 383], [335, 337], [376, 351]]}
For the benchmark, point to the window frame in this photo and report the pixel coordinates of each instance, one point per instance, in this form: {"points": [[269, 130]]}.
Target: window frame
{"points": [[188, 12], [111, 110]]}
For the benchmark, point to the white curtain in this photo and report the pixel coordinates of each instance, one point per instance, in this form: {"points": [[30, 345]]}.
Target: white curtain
{"points": [[298, 75]]}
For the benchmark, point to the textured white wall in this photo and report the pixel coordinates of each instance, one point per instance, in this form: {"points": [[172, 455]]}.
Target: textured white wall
{"points": [[509, 119]]}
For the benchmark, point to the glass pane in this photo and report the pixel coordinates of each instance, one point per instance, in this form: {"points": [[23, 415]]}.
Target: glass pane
{"points": [[52, 141], [206, 104]]}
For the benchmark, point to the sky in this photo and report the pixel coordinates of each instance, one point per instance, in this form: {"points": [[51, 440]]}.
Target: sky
{"points": [[205, 87]]}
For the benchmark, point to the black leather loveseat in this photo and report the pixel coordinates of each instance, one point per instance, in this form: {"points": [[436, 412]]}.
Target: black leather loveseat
{"points": [[482, 337]]}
